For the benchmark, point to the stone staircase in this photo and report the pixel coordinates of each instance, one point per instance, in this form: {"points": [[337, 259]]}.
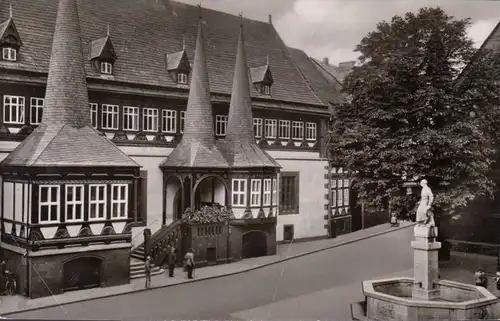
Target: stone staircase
{"points": [[138, 253], [137, 269]]}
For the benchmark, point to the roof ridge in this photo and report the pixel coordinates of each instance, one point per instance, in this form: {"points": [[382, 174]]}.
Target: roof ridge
{"points": [[320, 64], [47, 144]]}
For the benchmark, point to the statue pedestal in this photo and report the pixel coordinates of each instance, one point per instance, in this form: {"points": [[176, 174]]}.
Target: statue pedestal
{"points": [[425, 262]]}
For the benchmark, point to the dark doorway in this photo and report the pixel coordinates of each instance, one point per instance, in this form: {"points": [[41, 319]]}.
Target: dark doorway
{"points": [[254, 244], [355, 209], [82, 273], [212, 255], [178, 205], [288, 232]]}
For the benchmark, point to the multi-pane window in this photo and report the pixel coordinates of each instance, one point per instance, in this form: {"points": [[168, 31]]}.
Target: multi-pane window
{"points": [[257, 127], [130, 118], [289, 189], [340, 192], [97, 201], [284, 129], [239, 192], [220, 125], [74, 203], [255, 192], [150, 120], [267, 192], [9, 54], [182, 121], [48, 205], [270, 128], [298, 130], [106, 67], [168, 123], [13, 109], [109, 117], [275, 191], [182, 78], [36, 110], [93, 114], [119, 200], [311, 131], [266, 89]]}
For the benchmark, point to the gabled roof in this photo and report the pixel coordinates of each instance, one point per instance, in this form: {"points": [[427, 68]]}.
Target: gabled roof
{"points": [[197, 147], [65, 137], [328, 90], [144, 31], [240, 147], [178, 61], [261, 74], [8, 28], [334, 71], [102, 48]]}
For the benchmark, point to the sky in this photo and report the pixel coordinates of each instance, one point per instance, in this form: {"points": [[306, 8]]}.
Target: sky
{"points": [[333, 28]]}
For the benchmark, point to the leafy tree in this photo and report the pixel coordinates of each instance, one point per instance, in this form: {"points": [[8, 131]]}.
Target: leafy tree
{"points": [[415, 112]]}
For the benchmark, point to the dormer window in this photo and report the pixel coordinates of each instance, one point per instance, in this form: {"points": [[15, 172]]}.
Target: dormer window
{"points": [[9, 54], [266, 89], [106, 68], [182, 78]]}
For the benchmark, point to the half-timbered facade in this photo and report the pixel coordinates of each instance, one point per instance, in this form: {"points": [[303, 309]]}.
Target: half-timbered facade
{"points": [[139, 63]]}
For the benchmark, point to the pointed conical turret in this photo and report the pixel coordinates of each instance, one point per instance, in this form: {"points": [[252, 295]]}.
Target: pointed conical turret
{"points": [[65, 136], [240, 146], [197, 147]]}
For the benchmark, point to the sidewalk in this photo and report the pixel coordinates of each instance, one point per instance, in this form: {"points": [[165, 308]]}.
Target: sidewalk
{"points": [[13, 304]]}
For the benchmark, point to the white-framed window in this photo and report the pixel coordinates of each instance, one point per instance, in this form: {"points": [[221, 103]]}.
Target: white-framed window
{"points": [[182, 121], [266, 89], [74, 203], [270, 128], [257, 127], [267, 192], [97, 201], [284, 129], [36, 110], [9, 53], [275, 191], [168, 121], [150, 119], [311, 131], [220, 125], [93, 114], [109, 117], [298, 130], [239, 192], [49, 203], [119, 200], [130, 118], [13, 109], [255, 190], [106, 67], [182, 78]]}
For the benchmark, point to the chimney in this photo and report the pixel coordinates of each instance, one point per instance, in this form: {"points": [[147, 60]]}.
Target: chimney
{"points": [[347, 65], [326, 61], [270, 19]]}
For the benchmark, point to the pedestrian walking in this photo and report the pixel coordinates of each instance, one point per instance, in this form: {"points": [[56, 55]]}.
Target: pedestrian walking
{"points": [[171, 261], [147, 268], [189, 263]]}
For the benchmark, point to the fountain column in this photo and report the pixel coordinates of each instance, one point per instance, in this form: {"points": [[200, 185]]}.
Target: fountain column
{"points": [[425, 262]]}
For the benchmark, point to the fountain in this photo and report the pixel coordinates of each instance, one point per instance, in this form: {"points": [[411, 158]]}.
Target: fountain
{"points": [[424, 297]]}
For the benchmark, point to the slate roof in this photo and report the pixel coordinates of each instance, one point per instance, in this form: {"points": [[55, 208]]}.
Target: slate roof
{"points": [[174, 59], [258, 74], [65, 137], [240, 147], [144, 31], [197, 147], [327, 91], [334, 71], [97, 46]]}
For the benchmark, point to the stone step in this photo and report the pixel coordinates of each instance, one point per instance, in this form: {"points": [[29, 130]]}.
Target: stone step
{"points": [[143, 275], [137, 256]]}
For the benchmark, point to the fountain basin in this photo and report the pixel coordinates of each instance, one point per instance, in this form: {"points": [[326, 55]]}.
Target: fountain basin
{"points": [[391, 299]]}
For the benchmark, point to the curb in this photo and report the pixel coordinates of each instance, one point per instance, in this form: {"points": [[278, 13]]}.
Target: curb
{"points": [[361, 238]]}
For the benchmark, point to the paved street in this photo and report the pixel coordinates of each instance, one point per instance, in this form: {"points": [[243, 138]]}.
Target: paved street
{"points": [[316, 286]]}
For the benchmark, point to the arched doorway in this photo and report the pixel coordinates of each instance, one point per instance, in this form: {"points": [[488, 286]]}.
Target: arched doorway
{"points": [[173, 199], [254, 244], [82, 273], [210, 190], [355, 208]]}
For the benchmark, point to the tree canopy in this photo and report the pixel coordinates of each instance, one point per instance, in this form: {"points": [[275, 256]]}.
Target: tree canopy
{"points": [[415, 112]]}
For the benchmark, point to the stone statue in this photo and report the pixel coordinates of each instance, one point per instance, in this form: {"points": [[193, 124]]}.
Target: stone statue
{"points": [[424, 215]]}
